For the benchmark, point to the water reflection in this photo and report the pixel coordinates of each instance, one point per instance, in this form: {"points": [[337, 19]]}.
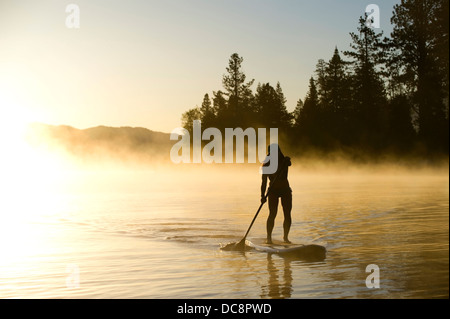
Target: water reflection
{"points": [[279, 280]]}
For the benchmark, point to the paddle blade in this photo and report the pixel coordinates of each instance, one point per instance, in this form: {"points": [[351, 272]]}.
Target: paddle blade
{"points": [[240, 246]]}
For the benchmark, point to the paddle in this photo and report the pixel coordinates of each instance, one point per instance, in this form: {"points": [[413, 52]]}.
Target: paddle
{"points": [[241, 245]]}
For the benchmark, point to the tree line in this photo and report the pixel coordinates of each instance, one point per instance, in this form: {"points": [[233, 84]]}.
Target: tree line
{"points": [[382, 94]]}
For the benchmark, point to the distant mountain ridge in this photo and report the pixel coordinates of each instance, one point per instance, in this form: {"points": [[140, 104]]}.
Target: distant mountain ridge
{"points": [[119, 143]]}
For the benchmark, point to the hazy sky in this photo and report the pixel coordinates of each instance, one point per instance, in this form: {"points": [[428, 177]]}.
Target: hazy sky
{"points": [[143, 63]]}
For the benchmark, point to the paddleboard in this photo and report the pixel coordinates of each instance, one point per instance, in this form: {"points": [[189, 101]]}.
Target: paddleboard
{"points": [[301, 251]]}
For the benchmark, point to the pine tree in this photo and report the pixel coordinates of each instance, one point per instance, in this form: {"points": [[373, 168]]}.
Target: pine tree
{"points": [[272, 112], [321, 73], [220, 107], [188, 118], [335, 89], [310, 122], [285, 116], [207, 112], [238, 91], [440, 27], [368, 90], [416, 38], [336, 83], [296, 114]]}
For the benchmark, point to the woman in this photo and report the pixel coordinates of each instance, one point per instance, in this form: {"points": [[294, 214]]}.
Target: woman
{"points": [[278, 188]]}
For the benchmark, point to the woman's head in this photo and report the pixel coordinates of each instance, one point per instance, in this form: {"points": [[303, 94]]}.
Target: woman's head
{"points": [[274, 156], [275, 146]]}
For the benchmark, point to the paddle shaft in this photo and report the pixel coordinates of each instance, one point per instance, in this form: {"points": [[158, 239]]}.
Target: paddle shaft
{"points": [[265, 199]]}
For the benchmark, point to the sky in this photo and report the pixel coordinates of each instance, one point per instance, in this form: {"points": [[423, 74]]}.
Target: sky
{"points": [[145, 62]]}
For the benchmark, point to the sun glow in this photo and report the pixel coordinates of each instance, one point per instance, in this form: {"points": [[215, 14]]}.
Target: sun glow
{"points": [[27, 173], [27, 184]]}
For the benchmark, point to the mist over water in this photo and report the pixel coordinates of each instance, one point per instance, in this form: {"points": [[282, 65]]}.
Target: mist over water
{"points": [[154, 230]]}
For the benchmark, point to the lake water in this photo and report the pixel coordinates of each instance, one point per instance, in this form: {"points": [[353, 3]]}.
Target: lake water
{"points": [[156, 234]]}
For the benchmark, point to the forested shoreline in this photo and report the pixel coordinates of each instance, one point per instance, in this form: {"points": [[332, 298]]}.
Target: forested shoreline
{"points": [[382, 95]]}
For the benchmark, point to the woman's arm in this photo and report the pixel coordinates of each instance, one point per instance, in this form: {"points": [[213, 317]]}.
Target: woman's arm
{"points": [[263, 188]]}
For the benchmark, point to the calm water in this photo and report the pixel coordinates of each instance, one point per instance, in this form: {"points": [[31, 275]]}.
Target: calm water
{"points": [[157, 234]]}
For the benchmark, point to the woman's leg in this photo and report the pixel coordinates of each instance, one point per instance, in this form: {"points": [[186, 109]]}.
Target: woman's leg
{"points": [[286, 202], [273, 209]]}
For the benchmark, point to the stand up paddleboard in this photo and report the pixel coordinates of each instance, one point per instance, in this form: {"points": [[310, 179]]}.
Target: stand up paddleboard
{"points": [[305, 252]]}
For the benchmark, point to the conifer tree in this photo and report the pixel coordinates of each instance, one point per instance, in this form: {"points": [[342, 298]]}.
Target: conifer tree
{"points": [[368, 96], [238, 90], [419, 33]]}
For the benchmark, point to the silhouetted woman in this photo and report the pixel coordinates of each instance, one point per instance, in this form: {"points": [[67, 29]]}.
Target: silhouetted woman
{"points": [[278, 188]]}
